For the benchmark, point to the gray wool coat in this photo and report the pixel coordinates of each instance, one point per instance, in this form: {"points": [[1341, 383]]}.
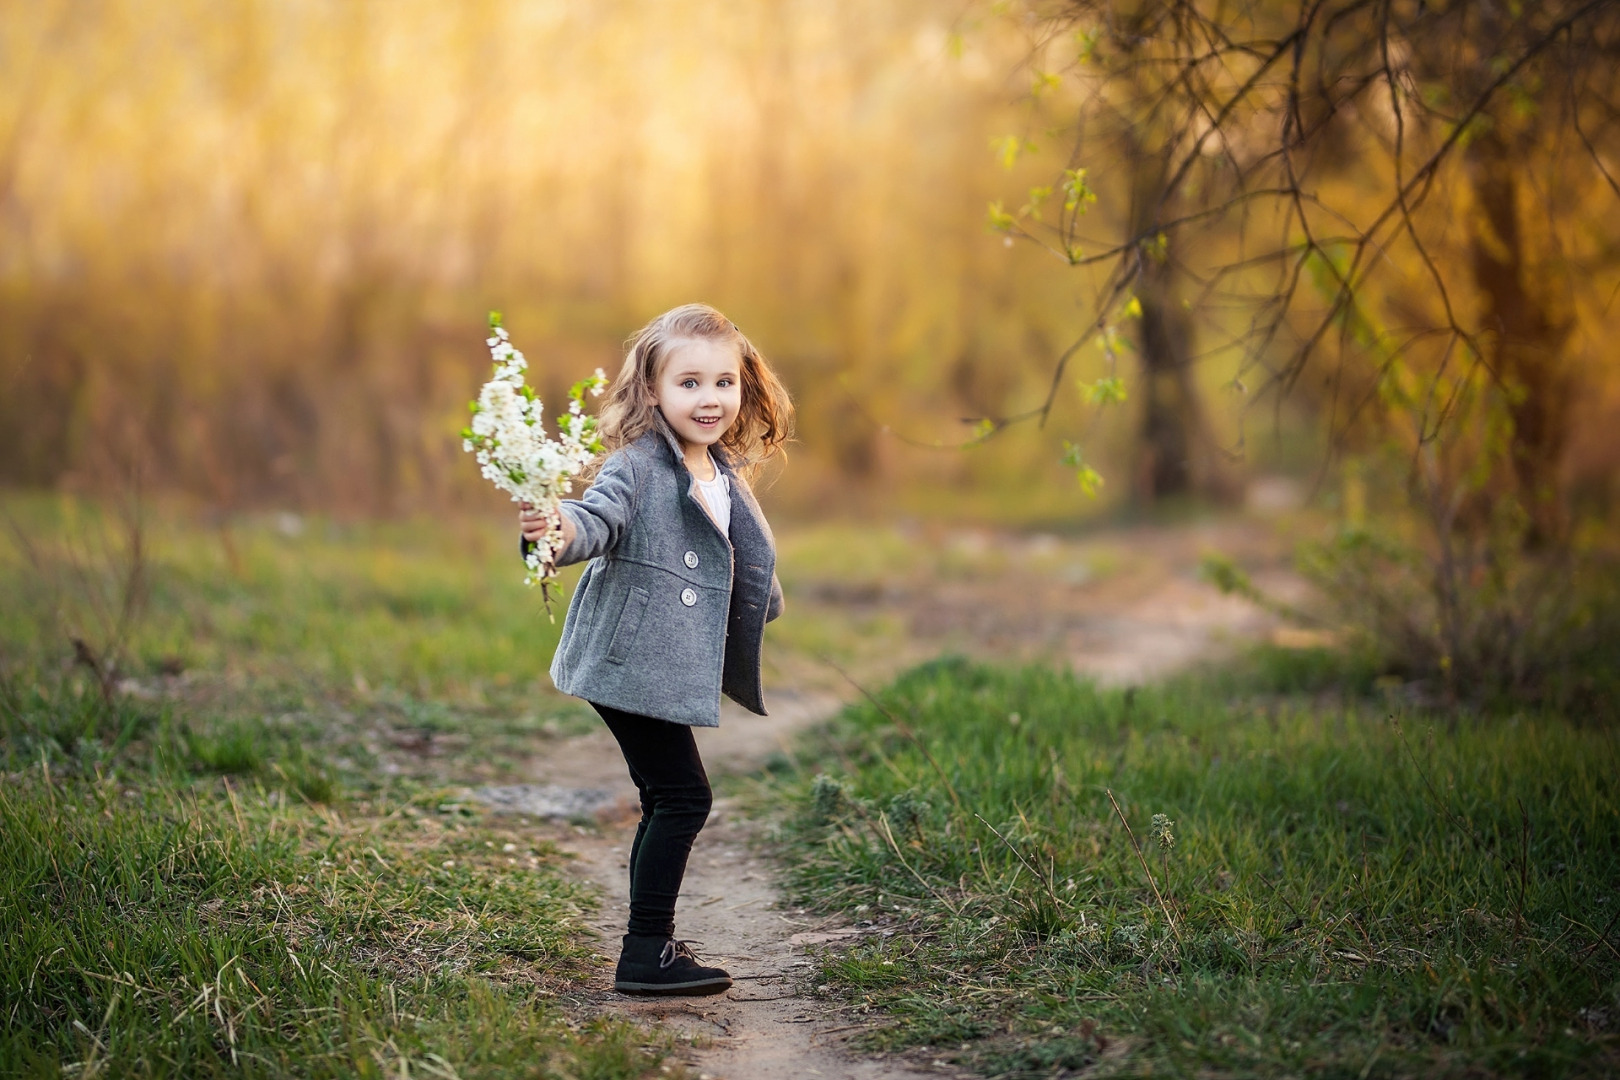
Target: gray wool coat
{"points": [[671, 612]]}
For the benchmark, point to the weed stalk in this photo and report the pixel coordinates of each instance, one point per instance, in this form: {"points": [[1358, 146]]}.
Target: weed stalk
{"points": [[1171, 919], [1524, 868], [1047, 885], [888, 834]]}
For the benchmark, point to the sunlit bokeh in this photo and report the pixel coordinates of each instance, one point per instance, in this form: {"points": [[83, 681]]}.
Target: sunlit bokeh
{"points": [[258, 241]]}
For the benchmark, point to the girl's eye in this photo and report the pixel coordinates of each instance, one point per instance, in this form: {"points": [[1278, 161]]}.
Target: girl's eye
{"points": [[725, 382], [689, 384]]}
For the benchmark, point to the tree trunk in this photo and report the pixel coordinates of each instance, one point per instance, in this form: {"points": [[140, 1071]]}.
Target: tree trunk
{"points": [[1170, 414], [1175, 454], [1527, 335]]}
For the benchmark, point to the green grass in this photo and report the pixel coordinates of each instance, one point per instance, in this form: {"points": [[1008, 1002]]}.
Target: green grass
{"points": [[407, 648], [177, 904], [433, 609], [252, 860], [1351, 895], [244, 852]]}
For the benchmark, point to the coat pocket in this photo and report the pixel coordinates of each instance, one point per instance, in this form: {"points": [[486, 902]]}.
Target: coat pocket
{"points": [[629, 625]]}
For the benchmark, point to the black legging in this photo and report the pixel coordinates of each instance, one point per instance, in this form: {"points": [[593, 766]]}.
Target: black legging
{"points": [[675, 801]]}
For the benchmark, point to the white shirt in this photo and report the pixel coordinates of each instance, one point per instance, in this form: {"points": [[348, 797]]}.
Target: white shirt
{"points": [[717, 497]]}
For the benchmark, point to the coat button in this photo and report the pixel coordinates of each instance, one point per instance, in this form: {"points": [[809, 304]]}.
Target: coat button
{"points": [[688, 597], [691, 560]]}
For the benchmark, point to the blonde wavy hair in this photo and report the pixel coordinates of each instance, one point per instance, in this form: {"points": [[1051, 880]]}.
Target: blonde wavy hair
{"points": [[763, 424]]}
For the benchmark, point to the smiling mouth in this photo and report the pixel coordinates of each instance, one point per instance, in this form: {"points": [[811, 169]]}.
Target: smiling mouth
{"points": [[707, 421]]}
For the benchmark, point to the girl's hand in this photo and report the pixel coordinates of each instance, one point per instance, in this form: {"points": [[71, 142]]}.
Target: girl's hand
{"points": [[533, 524]]}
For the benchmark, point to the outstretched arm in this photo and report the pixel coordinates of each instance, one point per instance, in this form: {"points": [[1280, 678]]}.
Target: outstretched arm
{"points": [[593, 523]]}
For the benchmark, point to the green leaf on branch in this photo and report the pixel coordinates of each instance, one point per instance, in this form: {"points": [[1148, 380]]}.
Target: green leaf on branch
{"points": [[1000, 220], [1089, 479], [1522, 100], [1157, 248], [1111, 341], [1392, 388], [1479, 125], [1329, 269], [1087, 42], [1007, 149], [494, 320], [1435, 95], [589, 384], [1108, 390], [1037, 196], [1077, 194], [1045, 81], [1133, 308]]}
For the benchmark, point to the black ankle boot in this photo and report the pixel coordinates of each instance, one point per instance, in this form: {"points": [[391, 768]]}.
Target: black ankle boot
{"points": [[663, 966]]}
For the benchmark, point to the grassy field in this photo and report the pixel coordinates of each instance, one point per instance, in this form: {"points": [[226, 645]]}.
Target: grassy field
{"points": [[434, 609], [249, 861], [252, 858], [160, 927], [1202, 880]]}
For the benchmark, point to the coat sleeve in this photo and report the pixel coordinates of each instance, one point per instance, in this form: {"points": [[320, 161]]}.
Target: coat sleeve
{"points": [[603, 513]]}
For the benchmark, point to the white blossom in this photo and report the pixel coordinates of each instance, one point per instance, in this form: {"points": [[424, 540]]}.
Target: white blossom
{"points": [[513, 451]]}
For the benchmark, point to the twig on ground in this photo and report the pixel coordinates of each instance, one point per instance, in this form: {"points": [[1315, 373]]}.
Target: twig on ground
{"points": [[1602, 939]]}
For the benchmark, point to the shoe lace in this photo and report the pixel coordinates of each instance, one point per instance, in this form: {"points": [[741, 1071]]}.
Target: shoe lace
{"points": [[676, 950]]}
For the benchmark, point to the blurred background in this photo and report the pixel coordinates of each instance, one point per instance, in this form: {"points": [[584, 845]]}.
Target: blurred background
{"points": [[1024, 267], [256, 242], [1256, 358]]}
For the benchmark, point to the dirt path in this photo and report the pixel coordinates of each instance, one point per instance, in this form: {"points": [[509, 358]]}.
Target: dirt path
{"points": [[766, 1027], [1148, 620]]}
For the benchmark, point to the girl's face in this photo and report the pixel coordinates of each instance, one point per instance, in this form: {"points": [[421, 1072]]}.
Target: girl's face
{"points": [[699, 390]]}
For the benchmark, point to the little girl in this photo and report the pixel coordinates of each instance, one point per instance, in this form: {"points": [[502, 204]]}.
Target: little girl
{"points": [[672, 609]]}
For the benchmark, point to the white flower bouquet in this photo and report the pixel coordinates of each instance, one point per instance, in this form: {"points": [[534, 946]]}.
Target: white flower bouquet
{"points": [[517, 456]]}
